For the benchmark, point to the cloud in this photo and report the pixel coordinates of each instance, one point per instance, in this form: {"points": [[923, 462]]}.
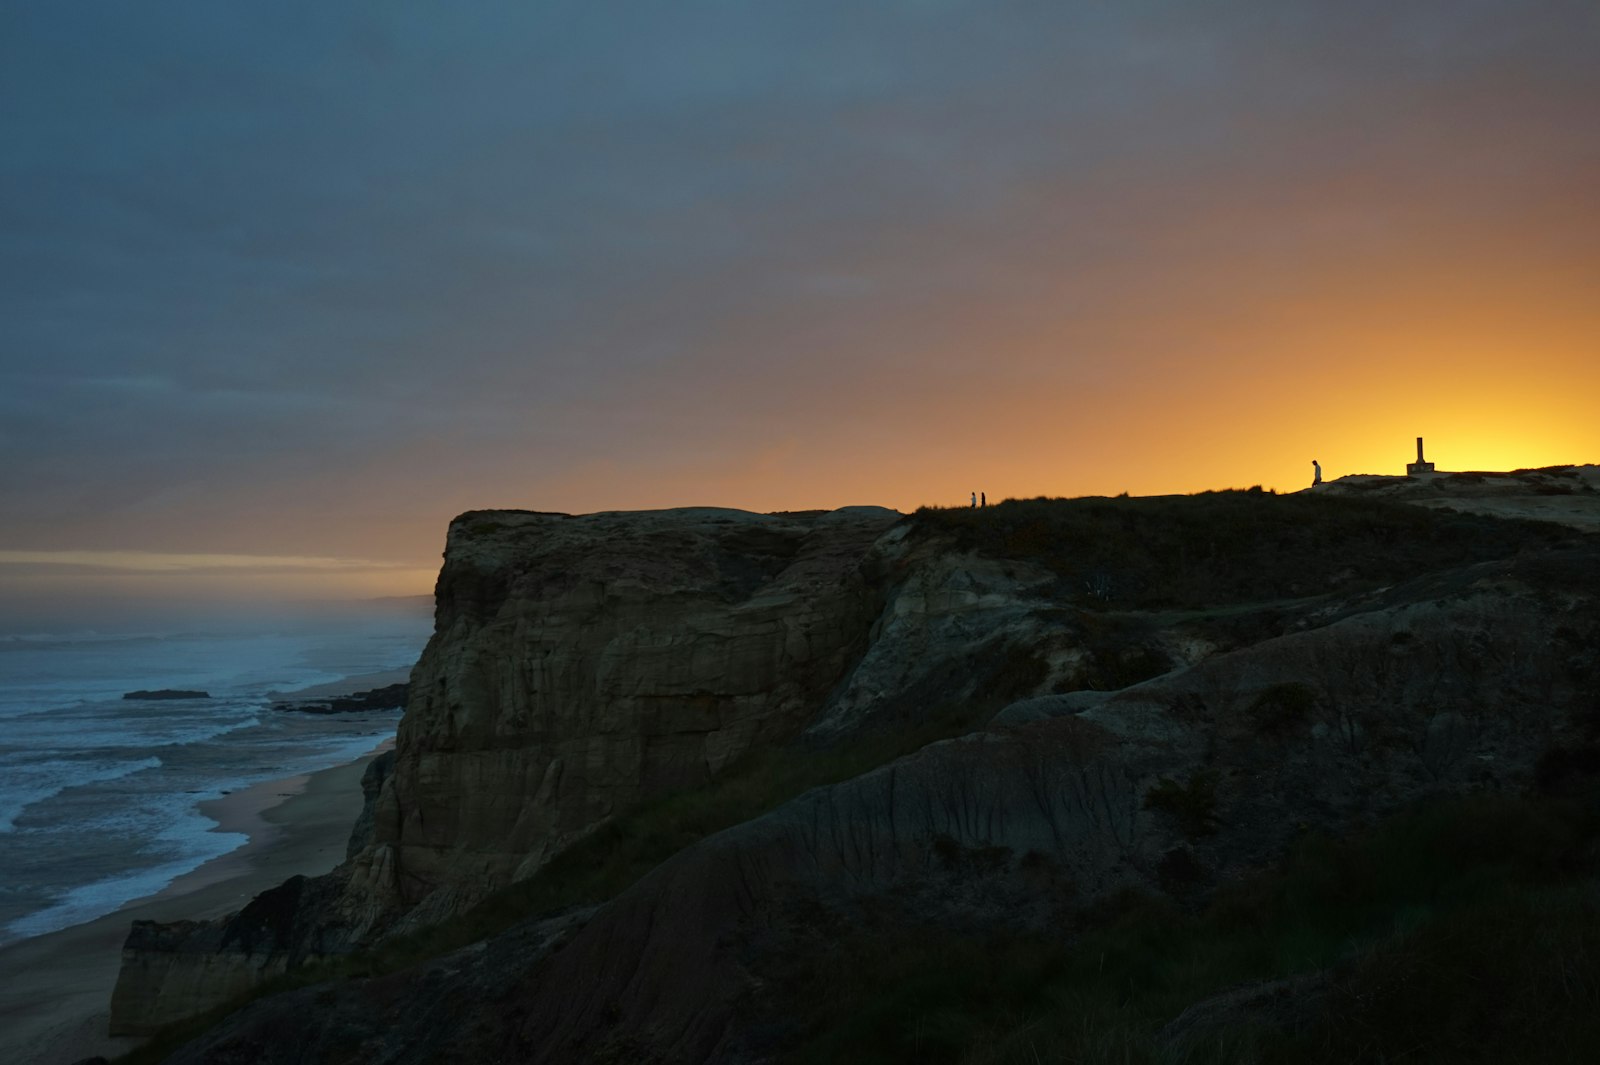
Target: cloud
{"points": [[308, 278]]}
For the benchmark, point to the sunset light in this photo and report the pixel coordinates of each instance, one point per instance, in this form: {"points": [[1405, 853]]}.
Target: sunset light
{"points": [[977, 532], [1072, 254]]}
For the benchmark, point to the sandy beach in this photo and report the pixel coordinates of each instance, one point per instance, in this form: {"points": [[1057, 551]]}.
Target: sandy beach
{"points": [[55, 989]]}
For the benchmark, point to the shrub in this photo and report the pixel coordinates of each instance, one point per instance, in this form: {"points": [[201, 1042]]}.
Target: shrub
{"points": [[1229, 547], [1568, 770], [1452, 932], [1179, 871], [1282, 708], [1193, 805]]}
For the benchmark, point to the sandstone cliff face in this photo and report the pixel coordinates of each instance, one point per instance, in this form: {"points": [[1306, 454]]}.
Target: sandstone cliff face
{"points": [[581, 664]]}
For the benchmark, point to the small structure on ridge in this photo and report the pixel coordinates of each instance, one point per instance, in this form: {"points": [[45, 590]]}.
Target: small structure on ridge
{"points": [[1419, 467]]}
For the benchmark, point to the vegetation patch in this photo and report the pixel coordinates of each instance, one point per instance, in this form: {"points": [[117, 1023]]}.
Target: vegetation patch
{"points": [[1015, 674], [1569, 771], [1180, 871], [1464, 931], [1193, 805], [1217, 548], [1282, 708], [1118, 650], [956, 858], [960, 694]]}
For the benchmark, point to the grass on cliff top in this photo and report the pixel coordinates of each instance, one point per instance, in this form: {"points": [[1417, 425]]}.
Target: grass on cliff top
{"points": [[1217, 548], [1468, 931]]}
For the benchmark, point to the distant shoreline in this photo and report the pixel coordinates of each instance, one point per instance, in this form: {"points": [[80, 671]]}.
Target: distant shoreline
{"points": [[55, 989]]}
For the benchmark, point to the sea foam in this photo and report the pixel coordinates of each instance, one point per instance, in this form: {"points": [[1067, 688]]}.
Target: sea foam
{"points": [[99, 796]]}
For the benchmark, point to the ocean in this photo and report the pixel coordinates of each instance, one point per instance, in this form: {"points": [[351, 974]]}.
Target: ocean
{"points": [[99, 795]]}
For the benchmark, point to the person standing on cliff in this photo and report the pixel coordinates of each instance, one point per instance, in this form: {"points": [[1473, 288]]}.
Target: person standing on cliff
{"points": [[974, 499], [983, 499], [1316, 473]]}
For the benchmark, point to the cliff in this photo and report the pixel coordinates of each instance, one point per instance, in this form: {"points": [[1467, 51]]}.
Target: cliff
{"points": [[1143, 695], [579, 665]]}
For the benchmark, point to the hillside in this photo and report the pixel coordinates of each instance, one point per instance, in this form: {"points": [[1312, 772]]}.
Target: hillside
{"points": [[1101, 779]]}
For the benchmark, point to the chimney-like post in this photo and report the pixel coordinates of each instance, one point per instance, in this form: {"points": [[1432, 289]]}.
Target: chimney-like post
{"points": [[1421, 466]]}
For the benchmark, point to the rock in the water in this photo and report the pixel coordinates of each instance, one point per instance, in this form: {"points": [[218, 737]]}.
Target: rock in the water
{"points": [[167, 693], [390, 697]]}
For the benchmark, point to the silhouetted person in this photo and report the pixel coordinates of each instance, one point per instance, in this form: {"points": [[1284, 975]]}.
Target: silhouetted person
{"points": [[974, 499], [1316, 473], [983, 499]]}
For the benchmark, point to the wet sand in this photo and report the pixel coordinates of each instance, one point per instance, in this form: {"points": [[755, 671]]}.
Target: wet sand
{"points": [[55, 989]]}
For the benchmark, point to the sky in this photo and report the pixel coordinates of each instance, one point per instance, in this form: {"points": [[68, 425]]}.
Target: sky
{"points": [[284, 287]]}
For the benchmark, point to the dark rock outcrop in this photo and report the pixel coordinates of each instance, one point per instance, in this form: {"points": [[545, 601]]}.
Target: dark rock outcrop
{"points": [[389, 697], [437, 1012], [377, 771], [173, 971], [166, 693]]}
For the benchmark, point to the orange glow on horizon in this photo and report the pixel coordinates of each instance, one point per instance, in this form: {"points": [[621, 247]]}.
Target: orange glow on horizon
{"points": [[1220, 355]]}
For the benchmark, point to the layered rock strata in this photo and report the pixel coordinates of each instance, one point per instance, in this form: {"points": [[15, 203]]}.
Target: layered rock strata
{"points": [[580, 665]]}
